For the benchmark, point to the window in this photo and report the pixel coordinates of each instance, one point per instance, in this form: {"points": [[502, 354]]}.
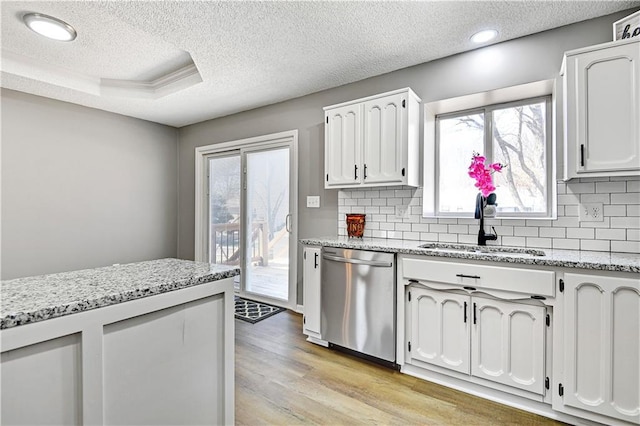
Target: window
{"points": [[517, 134]]}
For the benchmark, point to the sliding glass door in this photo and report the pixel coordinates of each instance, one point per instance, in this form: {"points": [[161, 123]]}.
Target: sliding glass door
{"points": [[249, 217], [268, 223]]}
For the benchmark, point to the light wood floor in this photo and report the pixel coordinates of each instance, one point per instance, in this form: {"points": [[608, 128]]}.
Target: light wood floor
{"points": [[282, 380]]}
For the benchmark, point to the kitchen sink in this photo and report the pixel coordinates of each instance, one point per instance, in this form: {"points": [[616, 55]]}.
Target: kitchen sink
{"points": [[490, 250]]}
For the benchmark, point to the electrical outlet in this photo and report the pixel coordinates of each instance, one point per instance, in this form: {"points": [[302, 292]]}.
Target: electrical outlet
{"points": [[402, 212], [591, 212], [313, 201]]}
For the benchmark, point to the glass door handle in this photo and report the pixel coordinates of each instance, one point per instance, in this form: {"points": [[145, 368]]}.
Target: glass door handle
{"points": [[287, 222]]}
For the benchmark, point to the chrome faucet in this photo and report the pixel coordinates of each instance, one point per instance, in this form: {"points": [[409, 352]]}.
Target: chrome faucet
{"points": [[483, 237]]}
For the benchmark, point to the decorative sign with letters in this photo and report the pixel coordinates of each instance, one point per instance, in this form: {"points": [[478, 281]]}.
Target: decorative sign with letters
{"points": [[627, 27]]}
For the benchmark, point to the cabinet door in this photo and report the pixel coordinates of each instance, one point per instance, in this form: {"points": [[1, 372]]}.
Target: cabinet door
{"points": [[604, 96], [383, 145], [440, 328], [602, 340], [343, 138], [507, 343], [311, 290]]}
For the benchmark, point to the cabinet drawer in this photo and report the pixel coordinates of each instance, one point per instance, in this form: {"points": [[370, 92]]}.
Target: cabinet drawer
{"points": [[526, 281]]}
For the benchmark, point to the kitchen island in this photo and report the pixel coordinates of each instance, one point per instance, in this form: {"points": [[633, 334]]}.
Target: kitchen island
{"points": [[149, 342]]}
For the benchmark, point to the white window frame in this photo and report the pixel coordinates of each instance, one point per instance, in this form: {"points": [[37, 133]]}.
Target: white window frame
{"points": [[487, 102]]}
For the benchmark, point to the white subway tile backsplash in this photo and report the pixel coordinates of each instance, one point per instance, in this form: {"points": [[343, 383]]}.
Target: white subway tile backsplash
{"points": [[468, 239], [625, 222], [438, 228], [428, 236], [611, 234], [563, 244], [538, 242], [568, 199], [627, 198], [458, 229], [395, 235], [414, 236], [608, 187], [403, 227], [633, 234], [566, 222], [387, 226], [581, 233], [420, 227], [581, 188], [595, 198], [514, 222], [617, 210], [514, 241], [504, 230], [572, 210], [448, 238], [626, 246], [595, 245], [523, 231], [619, 231], [552, 232], [633, 210], [606, 223], [633, 186]]}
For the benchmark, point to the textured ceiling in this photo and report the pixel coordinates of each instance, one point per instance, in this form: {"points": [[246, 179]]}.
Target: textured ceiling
{"points": [[250, 54]]}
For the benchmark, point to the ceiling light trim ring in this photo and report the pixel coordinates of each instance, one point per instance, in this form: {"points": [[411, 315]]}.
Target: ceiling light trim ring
{"points": [[33, 18], [484, 36]]}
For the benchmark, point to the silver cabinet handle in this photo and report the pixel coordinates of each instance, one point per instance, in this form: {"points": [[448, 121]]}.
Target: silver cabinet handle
{"points": [[358, 261]]}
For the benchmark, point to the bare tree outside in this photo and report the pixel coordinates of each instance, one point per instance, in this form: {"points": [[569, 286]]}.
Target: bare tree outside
{"points": [[518, 140]]}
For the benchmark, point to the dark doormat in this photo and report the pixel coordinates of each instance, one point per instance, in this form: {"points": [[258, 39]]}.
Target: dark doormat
{"points": [[250, 311]]}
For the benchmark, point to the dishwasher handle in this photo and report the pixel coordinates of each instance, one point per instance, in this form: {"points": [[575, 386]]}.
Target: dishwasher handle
{"points": [[358, 261]]}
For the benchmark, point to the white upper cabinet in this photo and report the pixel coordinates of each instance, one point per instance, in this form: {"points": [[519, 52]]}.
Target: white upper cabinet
{"points": [[344, 130], [373, 141], [602, 110]]}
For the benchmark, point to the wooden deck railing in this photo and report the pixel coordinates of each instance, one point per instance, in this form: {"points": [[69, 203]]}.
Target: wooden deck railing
{"points": [[226, 243]]}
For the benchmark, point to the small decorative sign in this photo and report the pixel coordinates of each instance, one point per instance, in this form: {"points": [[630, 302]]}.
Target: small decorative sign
{"points": [[627, 27]]}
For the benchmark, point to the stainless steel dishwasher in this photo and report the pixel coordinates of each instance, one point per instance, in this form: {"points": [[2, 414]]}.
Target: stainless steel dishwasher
{"points": [[358, 301]]}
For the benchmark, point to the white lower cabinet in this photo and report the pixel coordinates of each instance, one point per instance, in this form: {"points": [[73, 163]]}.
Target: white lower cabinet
{"points": [[311, 291], [496, 340], [507, 343], [601, 355], [439, 328]]}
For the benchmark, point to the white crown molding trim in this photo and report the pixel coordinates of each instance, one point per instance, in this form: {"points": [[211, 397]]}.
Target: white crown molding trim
{"points": [[35, 69], [172, 82]]}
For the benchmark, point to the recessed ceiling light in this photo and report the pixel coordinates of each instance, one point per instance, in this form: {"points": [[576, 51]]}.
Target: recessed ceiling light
{"points": [[484, 36], [49, 26]]}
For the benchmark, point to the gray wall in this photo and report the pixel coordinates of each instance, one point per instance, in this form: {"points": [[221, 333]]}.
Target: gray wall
{"points": [[83, 188], [532, 58]]}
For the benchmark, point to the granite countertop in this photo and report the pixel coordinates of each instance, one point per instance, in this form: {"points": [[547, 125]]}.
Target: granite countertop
{"points": [[594, 260], [32, 299]]}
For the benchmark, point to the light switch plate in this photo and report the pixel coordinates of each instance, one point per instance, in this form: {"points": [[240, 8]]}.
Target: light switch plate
{"points": [[313, 201], [591, 212]]}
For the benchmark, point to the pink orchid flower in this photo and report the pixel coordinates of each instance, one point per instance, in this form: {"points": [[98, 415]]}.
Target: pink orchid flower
{"points": [[483, 174]]}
